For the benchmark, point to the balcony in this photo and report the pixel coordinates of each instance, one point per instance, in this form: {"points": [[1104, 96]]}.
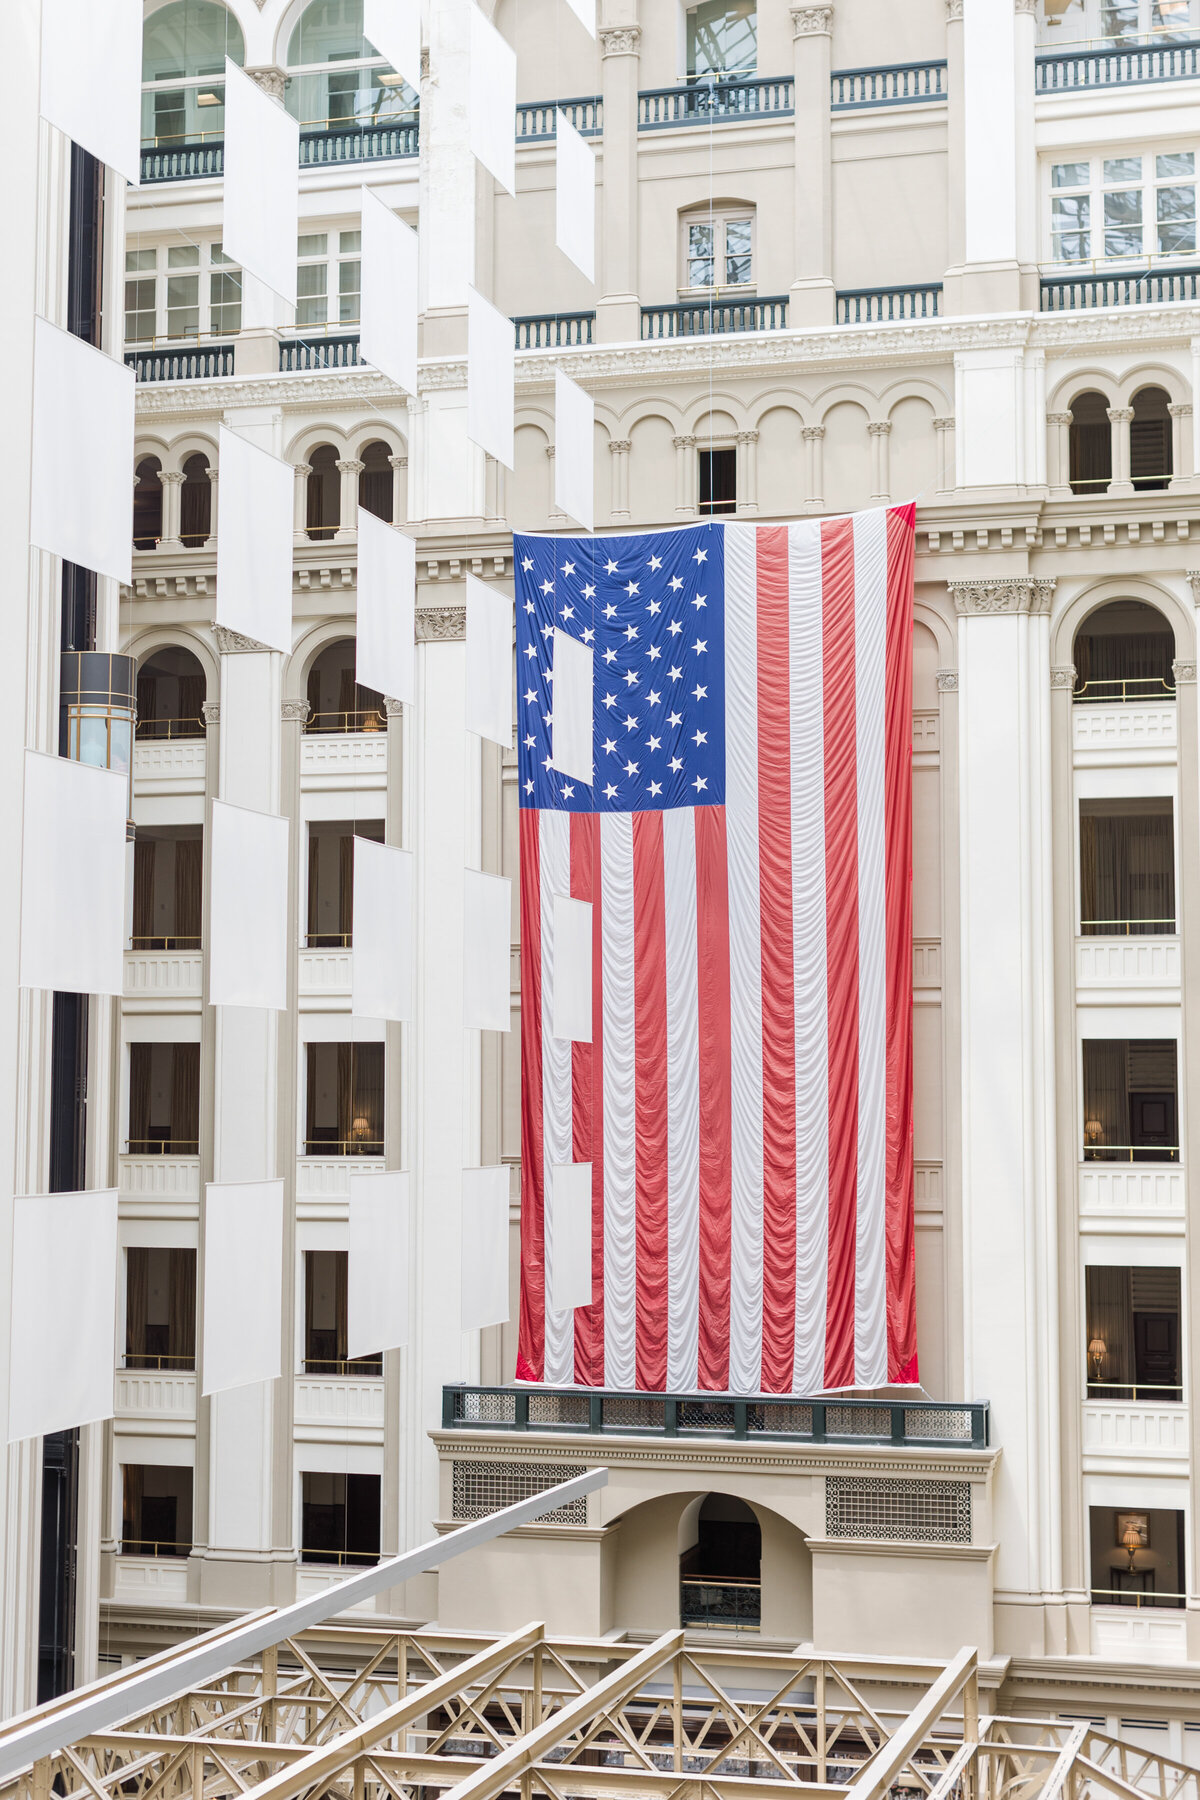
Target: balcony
{"points": [[537, 123], [1138, 725], [879, 306], [195, 362], [171, 972], [1118, 65], [318, 149], [903, 84], [1115, 1429], [1144, 1191], [705, 318], [343, 758], [1129, 287], [169, 765], [553, 331], [325, 973], [720, 1605], [172, 1178], [341, 1404], [707, 101], [1127, 962], [334, 351], [1127, 1634], [145, 1394]]}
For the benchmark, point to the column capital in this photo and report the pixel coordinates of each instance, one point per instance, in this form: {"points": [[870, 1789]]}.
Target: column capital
{"points": [[270, 79], [879, 428], [1193, 576], [398, 462], [812, 21], [174, 476], [683, 443], [304, 469], [1059, 418], [620, 40], [1017, 594], [811, 432], [1120, 415], [747, 437], [954, 12], [946, 423], [1179, 409], [1026, 6], [394, 708], [1063, 676], [1184, 673], [211, 710], [350, 466], [947, 681], [618, 446], [440, 624], [212, 473], [233, 643], [294, 712]]}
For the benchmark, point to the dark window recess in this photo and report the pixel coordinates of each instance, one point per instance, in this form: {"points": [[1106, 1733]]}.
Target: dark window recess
{"points": [[167, 886], [170, 695], [78, 616], [325, 1317], [718, 481], [1137, 1556], [157, 1512], [720, 1572], [147, 504], [336, 702], [375, 484], [1150, 440], [56, 1575], [85, 261], [1124, 651], [1133, 1335], [344, 1107], [68, 1094], [1129, 1100], [164, 1099], [160, 1308], [1126, 868], [339, 1518], [195, 503], [1091, 444], [170, 116], [331, 880], [324, 513]]}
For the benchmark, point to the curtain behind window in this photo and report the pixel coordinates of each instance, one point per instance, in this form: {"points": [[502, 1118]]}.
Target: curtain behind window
{"points": [[346, 887], [143, 887], [1127, 872], [139, 1095], [1110, 1318], [1105, 1094], [137, 1285], [133, 1486], [182, 1341], [189, 865], [185, 1098]]}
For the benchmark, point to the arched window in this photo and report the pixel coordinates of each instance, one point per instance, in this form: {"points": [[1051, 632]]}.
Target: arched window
{"points": [[184, 46], [148, 505], [1150, 440], [375, 484], [324, 493], [1091, 444], [362, 89], [195, 502], [335, 700], [1124, 651], [170, 694], [720, 1564]]}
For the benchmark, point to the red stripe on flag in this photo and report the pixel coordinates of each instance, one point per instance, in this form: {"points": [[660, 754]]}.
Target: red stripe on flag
{"points": [[531, 1353], [841, 915], [900, 1251], [716, 1087], [587, 1132], [650, 1063], [778, 998]]}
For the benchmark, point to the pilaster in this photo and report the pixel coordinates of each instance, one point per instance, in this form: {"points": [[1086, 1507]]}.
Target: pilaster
{"points": [[618, 315], [812, 293]]}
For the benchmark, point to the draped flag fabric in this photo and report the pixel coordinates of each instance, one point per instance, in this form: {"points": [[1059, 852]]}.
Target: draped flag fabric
{"points": [[745, 1101]]}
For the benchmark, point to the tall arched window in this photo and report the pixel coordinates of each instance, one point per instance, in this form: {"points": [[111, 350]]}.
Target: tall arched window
{"points": [[720, 1564], [184, 46], [148, 504], [1091, 444], [324, 493], [1124, 651], [335, 700], [1150, 464], [338, 77], [195, 501], [170, 694], [375, 484]]}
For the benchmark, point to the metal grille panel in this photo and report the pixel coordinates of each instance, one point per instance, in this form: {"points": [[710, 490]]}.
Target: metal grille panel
{"points": [[558, 1409], [638, 1415], [912, 1512], [780, 1418], [858, 1421], [480, 1488], [486, 1409], [706, 1415], [953, 1425]]}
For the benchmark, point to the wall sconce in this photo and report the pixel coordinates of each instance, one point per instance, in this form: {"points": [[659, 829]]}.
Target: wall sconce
{"points": [[1097, 1350]]}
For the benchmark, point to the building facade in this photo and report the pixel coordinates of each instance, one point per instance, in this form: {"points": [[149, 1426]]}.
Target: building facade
{"points": [[847, 254]]}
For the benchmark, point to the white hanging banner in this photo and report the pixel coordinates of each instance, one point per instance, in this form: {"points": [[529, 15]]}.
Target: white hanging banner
{"points": [[255, 536], [261, 186], [382, 963], [574, 196], [571, 985], [248, 935], [492, 100], [571, 715], [243, 1284], [484, 1297], [491, 347], [387, 589], [585, 12], [73, 876], [487, 948], [91, 78], [574, 450], [388, 304], [378, 1274], [81, 454], [489, 663], [63, 1318], [569, 1236], [394, 27]]}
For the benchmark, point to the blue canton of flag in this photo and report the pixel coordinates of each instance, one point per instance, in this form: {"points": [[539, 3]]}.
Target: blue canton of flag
{"points": [[652, 611]]}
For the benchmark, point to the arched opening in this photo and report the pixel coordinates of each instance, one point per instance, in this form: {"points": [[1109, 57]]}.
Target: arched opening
{"points": [[1150, 463], [375, 484], [1091, 444], [147, 504], [336, 702], [324, 493], [184, 47], [195, 502], [362, 90], [170, 694], [1124, 651], [720, 1568]]}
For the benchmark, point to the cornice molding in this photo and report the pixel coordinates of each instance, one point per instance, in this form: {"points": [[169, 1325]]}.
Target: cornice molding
{"points": [[1011, 594], [233, 643], [796, 1457], [440, 624]]}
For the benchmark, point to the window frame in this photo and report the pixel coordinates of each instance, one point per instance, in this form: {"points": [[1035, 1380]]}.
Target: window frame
{"points": [[1097, 190], [208, 272], [720, 218], [333, 261]]}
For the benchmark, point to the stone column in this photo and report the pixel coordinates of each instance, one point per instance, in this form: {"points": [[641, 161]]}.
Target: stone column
{"points": [[303, 471], [879, 431], [747, 471], [349, 469], [553, 511], [1120, 418], [618, 449], [618, 315], [1059, 426], [811, 300], [399, 468], [991, 126], [1181, 443], [211, 541], [946, 479], [814, 471], [172, 481], [685, 477], [956, 248]]}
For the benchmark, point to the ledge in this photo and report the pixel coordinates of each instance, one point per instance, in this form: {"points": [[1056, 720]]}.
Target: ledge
{"points": [[794, 1457]]}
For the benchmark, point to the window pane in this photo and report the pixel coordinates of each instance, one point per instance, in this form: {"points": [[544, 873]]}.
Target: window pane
{"points": [[722, 37], [183, 256], [1123, 223], [139, 259], [225, 302], [139, 310], [1122, 168], [350, 242], [312, 306], [189, 38], [737, 251], [1069, 175], [217, 255], [1169, 168], [1071, 219], [1119, 18], [183, 305], [700, 240], [1170, 15], [1176, 220], [348, 285], [316, 243]]}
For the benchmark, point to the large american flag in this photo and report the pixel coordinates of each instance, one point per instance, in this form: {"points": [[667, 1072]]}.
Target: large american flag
{"points": [[746, 1100]]}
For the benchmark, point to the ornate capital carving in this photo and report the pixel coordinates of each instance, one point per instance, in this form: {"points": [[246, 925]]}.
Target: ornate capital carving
{"points": [[1193, 576], [954, 11], [1120, 415], [212, 711], [1063, 677], [212, 474], [294, 712], [747, 437], [270, 79], [393, 708], [620, 40], [350, 466], [1059, 418], [683, 443], [619, 446], [947, 681], [440, 624], [811, 21], [175, 476], [1017, 594], [944, 424], [1184, 673], [879, 428], [425, 65], [811, 432], [232, 643], [1179, 410], [398, 462], [1025, 6], [304, 469]]}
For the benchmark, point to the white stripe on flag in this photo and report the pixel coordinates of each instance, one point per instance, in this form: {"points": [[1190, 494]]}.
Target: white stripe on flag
{"points": [[683, 1100], [870, 678], [554, 853], [745, 959], [620, 1138], [809, 950]]}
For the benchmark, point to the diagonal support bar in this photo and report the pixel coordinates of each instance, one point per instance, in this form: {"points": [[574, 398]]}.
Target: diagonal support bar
{"points": [[891, 1757]]}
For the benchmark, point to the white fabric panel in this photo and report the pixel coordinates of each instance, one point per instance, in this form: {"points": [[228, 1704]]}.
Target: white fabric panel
{"points": [[571, 718], [248, 935], [585, 12], [870, 684], [575, 196], [745, 961], [91, 78], [487, 940], [73, 876], [394, 27], [491, 343], [387, 333], [63, 1321], [489, 663], [243, 1284], [683, 1098], [492, 102], [620, 1123], [255, 535], [572, 990], [485, 1236], [382, 960], [378, 1273], [554, 864], [387, 587], [809, 952], [81, 497], [261, 187], [574, 450], [569, 1241]]}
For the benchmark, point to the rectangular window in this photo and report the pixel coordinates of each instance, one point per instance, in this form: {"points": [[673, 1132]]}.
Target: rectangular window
{"points": [[344, 1111], [718, 481], [312, 298], [164, 1099], [160, 1309], [1137, 1556], [325, 1317], [1133, 1341], [718, 252], [167, 887], [1122, 221], [1129, 1100], [700, 256], [722, 38], [1071, 217], [140, 296], [156, 1515], [1126, 868], [331, 880], [737, 251], [339, 1518]]}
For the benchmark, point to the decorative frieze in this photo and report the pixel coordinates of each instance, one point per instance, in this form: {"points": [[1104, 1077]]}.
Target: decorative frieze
{"points": [[440, 624], [1014, 594]]}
